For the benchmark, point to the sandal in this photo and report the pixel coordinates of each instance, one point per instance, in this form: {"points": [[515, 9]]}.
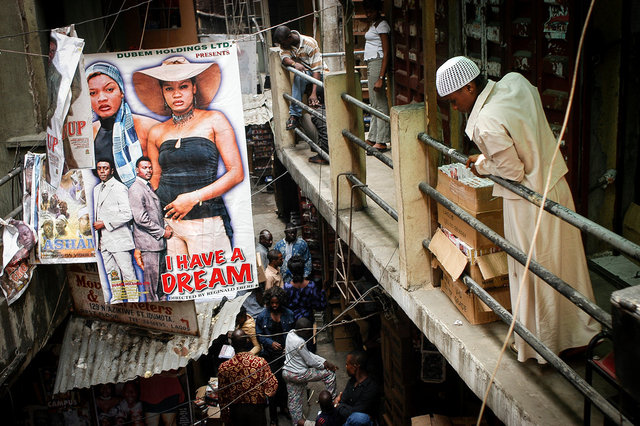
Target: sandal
{"points": [[382, 147], [368, 142], [292, 122]]}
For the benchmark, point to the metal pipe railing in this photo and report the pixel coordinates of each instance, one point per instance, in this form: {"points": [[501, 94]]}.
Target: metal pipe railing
{"points": [[13, 213], [374, 197], [9, 176], [578, 382], [369, 149], [335, 54], [306, 76], [554, 281], [552, 207], [315, 147], [348, 98], [304, 106]]}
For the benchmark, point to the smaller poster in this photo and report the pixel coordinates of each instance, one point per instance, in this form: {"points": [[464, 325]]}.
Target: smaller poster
{"points": [[77, 134], [86, 293], [64, 55], [18, 239], [64, 221], [31, 175]]}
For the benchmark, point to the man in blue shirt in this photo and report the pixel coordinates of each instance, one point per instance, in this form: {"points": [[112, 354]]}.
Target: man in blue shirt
{"points": [[292, 245]]}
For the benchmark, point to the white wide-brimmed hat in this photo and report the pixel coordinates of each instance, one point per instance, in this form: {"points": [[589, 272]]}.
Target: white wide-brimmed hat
{"points": [[177, 68], [454, 74]]}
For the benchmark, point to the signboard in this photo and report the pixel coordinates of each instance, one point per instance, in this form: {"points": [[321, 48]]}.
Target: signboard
{"points": [[86, 292], [181, 229]]}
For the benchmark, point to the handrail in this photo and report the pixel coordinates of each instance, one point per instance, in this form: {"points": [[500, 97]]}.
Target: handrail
{"points": [[13, 173], [13, 213], [369, 149], [336, 54], [568, 215], [306, 76], [304, 106], [374, 197], [312, 144], [348, 98], [578, 382], [554, 281]]}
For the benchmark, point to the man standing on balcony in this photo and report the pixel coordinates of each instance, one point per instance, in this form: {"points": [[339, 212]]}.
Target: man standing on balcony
{"points": [[508, 124], [302, 53]]}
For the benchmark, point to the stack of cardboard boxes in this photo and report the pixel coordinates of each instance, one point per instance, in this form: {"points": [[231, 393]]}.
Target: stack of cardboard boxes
{"points": [[460, 249]]}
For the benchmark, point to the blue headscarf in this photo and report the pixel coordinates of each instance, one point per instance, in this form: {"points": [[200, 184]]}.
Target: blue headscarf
{"points": [[126, 146]]}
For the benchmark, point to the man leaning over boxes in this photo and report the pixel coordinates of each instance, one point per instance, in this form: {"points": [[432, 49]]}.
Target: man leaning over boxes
{"points": [[508, 125]]}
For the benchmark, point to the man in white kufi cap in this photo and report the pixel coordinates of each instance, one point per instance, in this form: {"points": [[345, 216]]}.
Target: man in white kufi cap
{"points": [[508, 125]]}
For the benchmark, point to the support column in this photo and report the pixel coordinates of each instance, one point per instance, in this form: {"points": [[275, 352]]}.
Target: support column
{"points": [[344, 155], [409, 169], [280, 83]]}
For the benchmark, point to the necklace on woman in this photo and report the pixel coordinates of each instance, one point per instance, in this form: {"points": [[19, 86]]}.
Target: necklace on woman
{"points": [[180, 120]]}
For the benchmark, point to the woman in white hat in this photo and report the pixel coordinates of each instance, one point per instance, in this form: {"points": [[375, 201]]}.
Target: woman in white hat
{"points": [[184, 151], [118, 134]]}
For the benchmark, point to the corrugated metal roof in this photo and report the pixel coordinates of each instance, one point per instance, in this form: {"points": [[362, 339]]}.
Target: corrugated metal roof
{"points": [[95, 352]]}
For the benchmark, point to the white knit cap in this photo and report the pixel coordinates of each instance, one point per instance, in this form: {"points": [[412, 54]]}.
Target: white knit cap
{"points": [[454, 74]]}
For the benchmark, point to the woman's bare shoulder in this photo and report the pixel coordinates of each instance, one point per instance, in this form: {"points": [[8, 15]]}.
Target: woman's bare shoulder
{"points": [[144, 122]]}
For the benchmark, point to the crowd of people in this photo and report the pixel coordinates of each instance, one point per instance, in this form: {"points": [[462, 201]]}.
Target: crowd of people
{"points": [[275, 352]]}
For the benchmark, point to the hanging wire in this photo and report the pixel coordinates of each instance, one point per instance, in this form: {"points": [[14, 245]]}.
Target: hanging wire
{"points": [[77, 23], [112, 25], [540, 213]]}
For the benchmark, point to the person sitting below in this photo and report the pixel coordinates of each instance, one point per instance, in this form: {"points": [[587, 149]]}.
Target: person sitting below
{"points": [[328, 415], [245, 381], [361, 394], [302, 367], [246, 323], [271, 326], [302, 53]]}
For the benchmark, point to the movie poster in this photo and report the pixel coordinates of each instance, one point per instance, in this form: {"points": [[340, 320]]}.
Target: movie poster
{"points": [[171, 198], [65, 52], [64, 220]]}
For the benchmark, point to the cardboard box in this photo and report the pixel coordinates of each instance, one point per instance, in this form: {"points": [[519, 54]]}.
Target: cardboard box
{"points": [[489, 271], [462, 230], [431, 420], [473, 309], [472, 253], [341, 331], [473, 199], [344, 344]]}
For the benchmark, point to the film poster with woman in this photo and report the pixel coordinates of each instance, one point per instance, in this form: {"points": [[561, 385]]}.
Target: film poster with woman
{"points": [[171, 201]]}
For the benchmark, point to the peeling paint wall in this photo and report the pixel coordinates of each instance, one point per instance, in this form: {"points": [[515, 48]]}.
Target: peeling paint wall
{"points": [[26, 325]]}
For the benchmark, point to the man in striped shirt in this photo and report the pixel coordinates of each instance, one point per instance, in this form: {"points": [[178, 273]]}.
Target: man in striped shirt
{"points": [[302, 53]]}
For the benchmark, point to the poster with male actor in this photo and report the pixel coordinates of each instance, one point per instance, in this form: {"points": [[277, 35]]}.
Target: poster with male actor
{"points": [[62, 220], [180, 110]]}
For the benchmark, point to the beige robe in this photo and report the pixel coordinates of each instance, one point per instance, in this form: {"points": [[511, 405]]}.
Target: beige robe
{"points": [[509, 127]]}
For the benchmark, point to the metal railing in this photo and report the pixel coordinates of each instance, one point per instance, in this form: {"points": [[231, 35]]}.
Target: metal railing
{"points": [[9, 178], [568, 215], [349, 136], [553, 280]]}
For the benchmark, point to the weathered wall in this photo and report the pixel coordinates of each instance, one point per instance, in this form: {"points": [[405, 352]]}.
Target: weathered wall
{"points": [[22, 86], [26, 325]]}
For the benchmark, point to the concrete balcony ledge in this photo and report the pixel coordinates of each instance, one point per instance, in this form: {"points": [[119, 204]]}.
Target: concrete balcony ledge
{"points": [[523, 393]]}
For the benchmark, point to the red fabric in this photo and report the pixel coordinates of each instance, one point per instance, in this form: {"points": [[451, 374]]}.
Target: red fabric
{"points": [[157, 388]]}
